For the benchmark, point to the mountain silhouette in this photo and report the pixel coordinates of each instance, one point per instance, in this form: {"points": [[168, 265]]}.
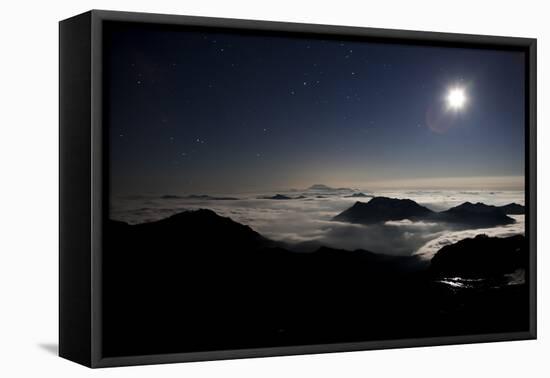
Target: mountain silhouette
{"points": [[172, 196], [382, 209], [198, 281], [360, 195], [513, 209], [478, 215], [320, 187], [481, 256], [277, 197]]}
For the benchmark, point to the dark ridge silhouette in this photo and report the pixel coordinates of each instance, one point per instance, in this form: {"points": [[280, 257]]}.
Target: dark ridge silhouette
{"points": [[277, 197], [171, 196], [382, 209], [360, 195], [197, 281], [476, 215], [481, 256], [513, 209], [283, 197], [198, 196]]}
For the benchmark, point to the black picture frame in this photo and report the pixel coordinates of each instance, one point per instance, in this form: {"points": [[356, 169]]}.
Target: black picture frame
{"points": [[83, 164]]}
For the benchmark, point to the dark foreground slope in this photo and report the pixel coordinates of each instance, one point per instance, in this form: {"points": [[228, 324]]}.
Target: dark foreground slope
{"points": [[481, 257], [197, 281]]}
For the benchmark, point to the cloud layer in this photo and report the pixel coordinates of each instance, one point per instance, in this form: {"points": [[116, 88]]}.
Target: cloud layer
{"points": [[306, 222]]}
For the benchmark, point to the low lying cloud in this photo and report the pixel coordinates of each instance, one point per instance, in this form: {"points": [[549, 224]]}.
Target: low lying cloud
{"points": [[306, 223], [409, 223], [428, 250]]}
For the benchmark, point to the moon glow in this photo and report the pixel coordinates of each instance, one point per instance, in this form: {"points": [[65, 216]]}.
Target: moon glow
{"points": [[456, 98]]}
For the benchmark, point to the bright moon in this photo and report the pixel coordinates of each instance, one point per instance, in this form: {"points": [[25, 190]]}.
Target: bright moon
{"points": [[456, 99]]}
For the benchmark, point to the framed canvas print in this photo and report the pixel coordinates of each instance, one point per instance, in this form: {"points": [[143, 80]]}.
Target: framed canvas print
{"points": [[234, 188]]}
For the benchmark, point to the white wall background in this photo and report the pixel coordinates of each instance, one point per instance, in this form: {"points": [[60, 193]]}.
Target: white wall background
{"points": [[28, 186]]}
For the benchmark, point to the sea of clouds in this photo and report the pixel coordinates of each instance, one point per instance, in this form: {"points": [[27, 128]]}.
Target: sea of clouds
{"points": [[306, 222]]}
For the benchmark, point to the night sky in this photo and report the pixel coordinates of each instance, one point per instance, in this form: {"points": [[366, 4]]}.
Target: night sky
{"points": [[203, 112]]}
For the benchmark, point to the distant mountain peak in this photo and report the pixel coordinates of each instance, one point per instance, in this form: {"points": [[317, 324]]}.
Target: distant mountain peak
{"points": [[382, 209], [277, 197], [478, 215], [469, 205], [360, 195], [513, 209]]}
